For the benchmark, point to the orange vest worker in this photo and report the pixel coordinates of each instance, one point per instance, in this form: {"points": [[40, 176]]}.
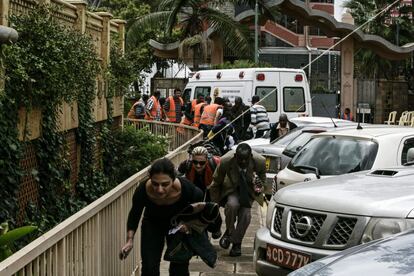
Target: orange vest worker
{"points": [[153, 110], [209, 114], [171, 113], [197, 114]]}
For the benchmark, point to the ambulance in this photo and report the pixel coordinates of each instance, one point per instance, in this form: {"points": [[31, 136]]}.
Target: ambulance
{"points": [[281, 90]]}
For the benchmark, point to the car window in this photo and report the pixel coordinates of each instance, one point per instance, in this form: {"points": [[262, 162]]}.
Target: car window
{"points": [[408, 144], [294, 99], [335, 155], [296, 144], [287, 138], [270, 103], [205, 91]]}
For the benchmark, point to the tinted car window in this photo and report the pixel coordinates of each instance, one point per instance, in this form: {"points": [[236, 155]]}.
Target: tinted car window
{"points": [[205, 91], [294, 99], [335, 155], [409, 143]]}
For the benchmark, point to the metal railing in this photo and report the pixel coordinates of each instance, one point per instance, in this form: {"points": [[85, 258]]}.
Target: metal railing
{"points": [[88, 242], [177, 134]]}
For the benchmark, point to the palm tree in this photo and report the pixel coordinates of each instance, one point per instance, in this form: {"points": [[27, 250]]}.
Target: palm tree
{"points": [[396, 29], [195, 21]]}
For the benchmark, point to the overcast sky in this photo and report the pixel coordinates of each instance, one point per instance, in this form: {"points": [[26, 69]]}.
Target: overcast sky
{"points": [[339, 9]]}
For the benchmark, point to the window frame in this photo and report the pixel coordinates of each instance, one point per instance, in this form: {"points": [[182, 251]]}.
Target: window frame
{"points": [[406, 141], [284, 99], [202, 87], [277, 102]]}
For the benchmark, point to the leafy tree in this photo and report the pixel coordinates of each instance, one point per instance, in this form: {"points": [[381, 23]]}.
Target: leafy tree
{"points": [[138, 54], [396, 29], [191, 20], [241, 64]]}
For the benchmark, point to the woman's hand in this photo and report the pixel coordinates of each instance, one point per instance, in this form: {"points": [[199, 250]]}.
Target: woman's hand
{"points": [[126, 249]]}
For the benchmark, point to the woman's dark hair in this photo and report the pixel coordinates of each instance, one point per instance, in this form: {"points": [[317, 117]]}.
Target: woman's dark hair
{"points": [[163, 165]]}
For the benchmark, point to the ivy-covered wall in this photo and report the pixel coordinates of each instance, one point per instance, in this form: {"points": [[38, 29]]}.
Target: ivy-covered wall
{"points": [[61, 112]]}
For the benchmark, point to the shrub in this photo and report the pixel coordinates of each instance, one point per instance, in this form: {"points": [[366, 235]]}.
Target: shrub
{"points": [[135, 150]]}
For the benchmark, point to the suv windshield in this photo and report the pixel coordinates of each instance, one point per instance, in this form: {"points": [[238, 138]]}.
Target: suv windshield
{"points": [[335, 155]]}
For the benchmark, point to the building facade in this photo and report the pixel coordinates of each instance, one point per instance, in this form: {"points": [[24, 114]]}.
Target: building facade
{"points": [[286, 42]]}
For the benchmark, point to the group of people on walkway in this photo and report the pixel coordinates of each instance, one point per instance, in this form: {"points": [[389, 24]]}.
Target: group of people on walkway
{"points": [[181, 207], [158, 108], [222, 122]]}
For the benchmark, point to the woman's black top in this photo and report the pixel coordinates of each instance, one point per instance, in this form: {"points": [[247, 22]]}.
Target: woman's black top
{"points": [[161, 214]]}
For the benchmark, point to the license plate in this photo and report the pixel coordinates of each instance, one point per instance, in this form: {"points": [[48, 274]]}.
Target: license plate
{"points": [[286, 257], [267, 163]]}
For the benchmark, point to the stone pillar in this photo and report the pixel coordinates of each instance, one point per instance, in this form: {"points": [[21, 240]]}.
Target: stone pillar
{"points": [[80, 23], [348, 95], [4, 10], [121, 33], [105, 37]]}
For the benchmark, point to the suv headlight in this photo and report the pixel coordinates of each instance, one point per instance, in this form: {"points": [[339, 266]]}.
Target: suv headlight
{"points": [[378, 228], [269, 213]]}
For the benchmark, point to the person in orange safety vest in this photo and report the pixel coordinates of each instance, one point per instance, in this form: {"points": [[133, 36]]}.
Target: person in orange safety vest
{"points": [[153, 108], [198, 110], [211, 114], [188, 118], [174, 107]]}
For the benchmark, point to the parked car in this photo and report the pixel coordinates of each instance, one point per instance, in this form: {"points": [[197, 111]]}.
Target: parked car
{"points": [[348, 150], [311, 220], [389, 256], [300, 122], [279, 153]]}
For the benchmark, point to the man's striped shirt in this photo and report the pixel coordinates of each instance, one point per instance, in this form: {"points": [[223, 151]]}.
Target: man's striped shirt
{"points": [[259, 117]]}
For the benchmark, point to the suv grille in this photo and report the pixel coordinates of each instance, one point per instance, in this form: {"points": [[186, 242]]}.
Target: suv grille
{"points": [[342, 231], [316, 221], [277, 224]]}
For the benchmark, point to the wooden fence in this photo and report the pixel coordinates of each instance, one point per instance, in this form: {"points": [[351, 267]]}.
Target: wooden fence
{"points": [[101, 28], [88, 242]]}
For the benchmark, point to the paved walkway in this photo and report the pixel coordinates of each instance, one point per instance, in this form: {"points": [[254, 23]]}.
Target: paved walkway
{"points": [[227, 265]]}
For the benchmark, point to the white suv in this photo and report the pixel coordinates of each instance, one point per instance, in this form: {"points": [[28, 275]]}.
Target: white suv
{"points": [[346, 151], [308, 221]]}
